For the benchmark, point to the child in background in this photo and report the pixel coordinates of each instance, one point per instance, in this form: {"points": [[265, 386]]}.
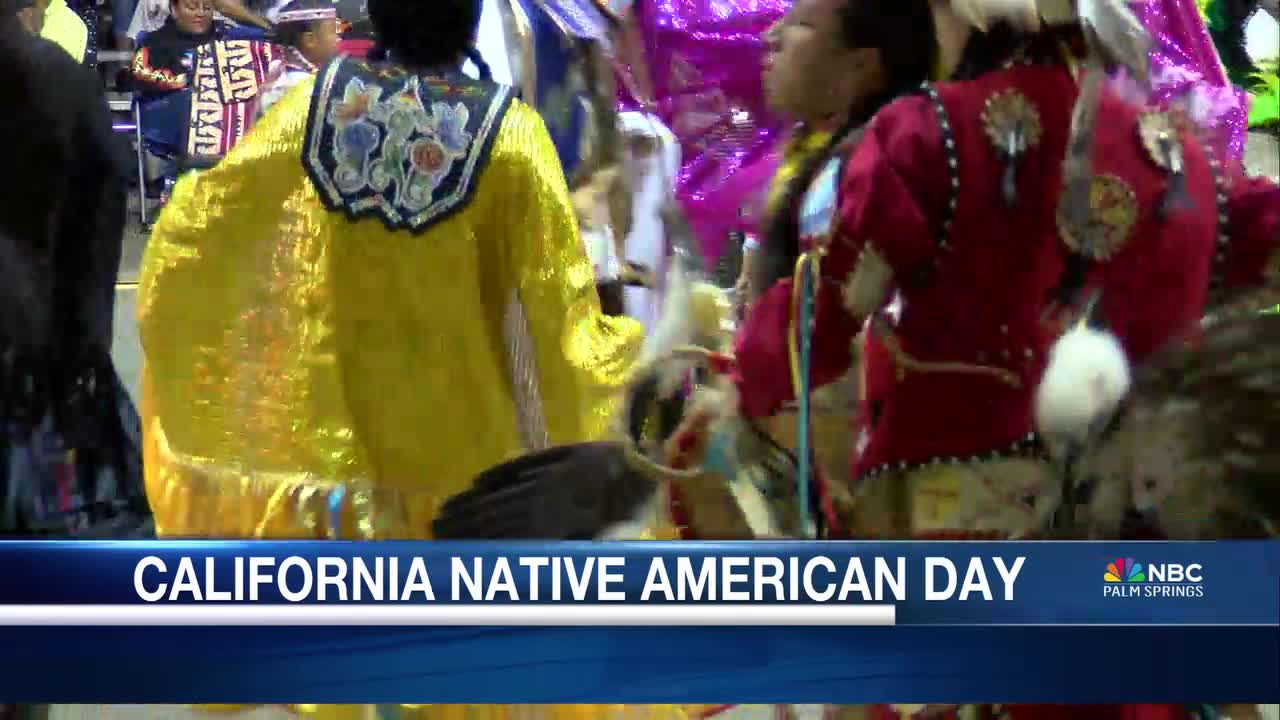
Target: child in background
{"points": [[308, 30]]}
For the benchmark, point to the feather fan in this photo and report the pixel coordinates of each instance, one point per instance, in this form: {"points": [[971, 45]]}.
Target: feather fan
{"points": [[1195, 448], [572, 492]]}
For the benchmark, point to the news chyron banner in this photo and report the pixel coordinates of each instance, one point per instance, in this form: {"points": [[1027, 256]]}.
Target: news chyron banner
{"points": [[643, 622]]}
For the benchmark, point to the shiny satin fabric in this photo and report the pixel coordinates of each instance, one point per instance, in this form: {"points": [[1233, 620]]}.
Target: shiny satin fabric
{"points": [[703, 60], [312, 377], [294, 356], [1185, 67]]}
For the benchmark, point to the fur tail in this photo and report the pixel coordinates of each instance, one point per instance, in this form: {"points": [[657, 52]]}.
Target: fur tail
{"points": [[1087, 377], [693, 313]]}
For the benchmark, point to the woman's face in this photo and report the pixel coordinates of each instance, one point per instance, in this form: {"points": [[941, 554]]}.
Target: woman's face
{"points": [[193, 16], [808, 74]]}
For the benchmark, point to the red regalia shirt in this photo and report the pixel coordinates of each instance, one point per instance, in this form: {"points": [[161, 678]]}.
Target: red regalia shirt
{"points": [[975, 273]]}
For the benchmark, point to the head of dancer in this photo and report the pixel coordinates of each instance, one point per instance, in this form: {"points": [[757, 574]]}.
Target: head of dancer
{"points": [[427, 34], [837, 62], [827, 57], [310, 27]]}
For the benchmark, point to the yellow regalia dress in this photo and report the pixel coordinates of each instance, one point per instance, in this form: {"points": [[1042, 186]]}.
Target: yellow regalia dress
{"points": [[332, 354]]}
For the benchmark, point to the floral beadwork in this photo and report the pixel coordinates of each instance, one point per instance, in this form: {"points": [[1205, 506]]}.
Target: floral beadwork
{"points": [[1113, 213], [398, 145]]}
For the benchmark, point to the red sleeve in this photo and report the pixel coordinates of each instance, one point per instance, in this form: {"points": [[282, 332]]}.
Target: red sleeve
{"points": [[890, 180], [895, 187], [156, 79], [1253, 216]]}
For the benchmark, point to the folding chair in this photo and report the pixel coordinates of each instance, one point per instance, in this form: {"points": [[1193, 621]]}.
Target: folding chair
{"points": [[159, 124], [129, 104]]}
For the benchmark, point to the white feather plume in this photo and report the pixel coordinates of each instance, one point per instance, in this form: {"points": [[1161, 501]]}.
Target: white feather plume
{"points": [[1087, 377], [675, 326]]}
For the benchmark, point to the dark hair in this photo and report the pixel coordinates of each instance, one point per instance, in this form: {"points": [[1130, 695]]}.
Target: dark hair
{"points": [[903, 32], [290, 33], [478, 60], [35, 128], [988, 51], [425, 33]]}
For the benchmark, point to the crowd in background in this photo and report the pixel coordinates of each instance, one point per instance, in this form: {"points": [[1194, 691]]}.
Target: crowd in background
{"points": [[73, 24]]}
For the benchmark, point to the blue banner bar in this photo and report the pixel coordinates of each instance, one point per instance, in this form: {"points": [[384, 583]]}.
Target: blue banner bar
{"points": [[926, 583], [641, 665], [864, 622]]}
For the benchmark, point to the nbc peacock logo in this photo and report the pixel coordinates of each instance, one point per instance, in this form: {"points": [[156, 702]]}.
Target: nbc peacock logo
{"points": [[1128, 578], [1124, 570]]}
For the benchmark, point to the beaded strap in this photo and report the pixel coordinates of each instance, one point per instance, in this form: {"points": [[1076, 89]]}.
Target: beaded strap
{"points": [[1028, 447], [1217, 276], [953, 165]]}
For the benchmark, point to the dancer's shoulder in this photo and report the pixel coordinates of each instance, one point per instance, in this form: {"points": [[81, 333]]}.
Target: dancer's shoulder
{"points": [[405, 147]]}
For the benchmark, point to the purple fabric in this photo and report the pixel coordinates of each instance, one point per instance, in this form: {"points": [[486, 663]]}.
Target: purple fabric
{"points": [[1185, 68], [704, 59]]}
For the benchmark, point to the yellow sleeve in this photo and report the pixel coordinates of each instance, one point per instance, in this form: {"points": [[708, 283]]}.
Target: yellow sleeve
{"points": [[246, 428], [580, 358], [78, 38], [64, 27]]}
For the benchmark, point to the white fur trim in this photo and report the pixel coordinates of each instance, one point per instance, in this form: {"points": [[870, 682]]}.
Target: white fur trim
{"points": [[1087, 377], [693, 312]]}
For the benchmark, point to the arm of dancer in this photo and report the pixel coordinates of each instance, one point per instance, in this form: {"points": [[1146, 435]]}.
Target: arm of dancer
{"points": [[1253, 256], [893, 186], [581, 358]]}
